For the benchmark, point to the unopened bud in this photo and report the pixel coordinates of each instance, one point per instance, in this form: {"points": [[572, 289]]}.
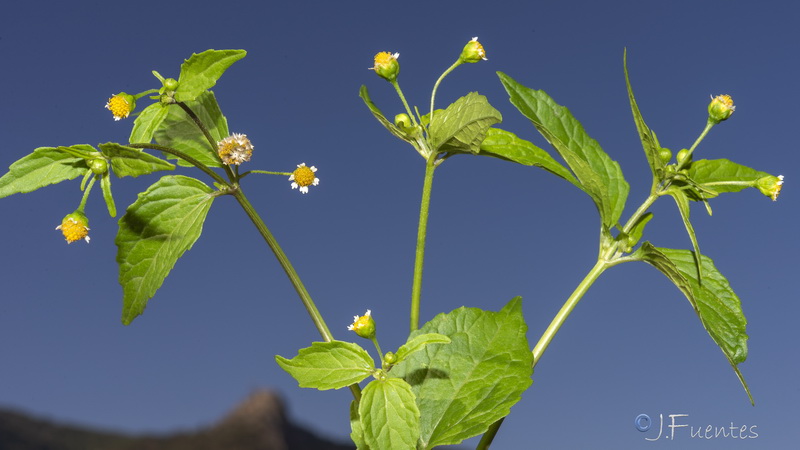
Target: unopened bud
{"points": [[720, 108]]}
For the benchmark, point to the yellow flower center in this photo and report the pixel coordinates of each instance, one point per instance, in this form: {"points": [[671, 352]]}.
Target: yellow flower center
{"points": [[726, 100], [383, 59], [304, 176], [73, 231], [119, 107]]}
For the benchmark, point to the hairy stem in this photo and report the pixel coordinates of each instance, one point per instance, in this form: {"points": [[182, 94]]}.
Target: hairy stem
{"points": [[422, 231]]}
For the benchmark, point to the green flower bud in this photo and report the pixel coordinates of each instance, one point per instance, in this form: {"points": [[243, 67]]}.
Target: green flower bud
{"points": [[665, 155], [171, 84], [389, 358], [99, 166], [473, 52], [770, 186], [402, 121], [386, 65], [720, 108], [364, 326], [683, 155]]}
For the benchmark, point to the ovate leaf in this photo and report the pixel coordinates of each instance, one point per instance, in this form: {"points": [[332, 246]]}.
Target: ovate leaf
{"points": [[127, 161], [389, 415], [147, 122], [506, 145], [328, 365], [717, 306], [180, 132], [647, 136], [462, 126], [465, 386], [600, 176], [45, 166], [202, 70], [155, 231]]}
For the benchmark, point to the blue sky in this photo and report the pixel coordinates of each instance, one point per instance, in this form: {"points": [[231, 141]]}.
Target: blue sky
{"points": [[497, 230]]}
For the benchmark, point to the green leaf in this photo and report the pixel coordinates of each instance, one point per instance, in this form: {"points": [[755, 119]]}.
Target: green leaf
{"points": [[45, 166], [132, 162], [722, 175], [202, 70], [181, 133], [683, 206], [638, 229], [462, 126], [417, 343], [147, 122], [328, 365], [717, 306], [389, 415], [105, 184], [467, 385], [600, 176], [647, 136], [155, 231], [395, 130], [506, 145], [356, 429]]}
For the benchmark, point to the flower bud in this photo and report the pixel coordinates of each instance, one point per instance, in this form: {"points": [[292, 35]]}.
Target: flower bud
{"points": [[473, 52], [171, 84], [665, 155], [99, 166], [720, 108], [770, 186], [389, 358], [121, 105], [74, 227], [364, 326], [402, 121], [682, 155], [386, 65]]}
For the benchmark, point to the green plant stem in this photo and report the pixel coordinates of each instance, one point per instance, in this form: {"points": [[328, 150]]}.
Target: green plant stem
{"points": [[294, 278], [422, 231], [184, 157], [403, 99], [211, 141], [488, 436], [86, 194], [267, 172], [436, 85], [567, 308], [316, 317], [702, 136]]}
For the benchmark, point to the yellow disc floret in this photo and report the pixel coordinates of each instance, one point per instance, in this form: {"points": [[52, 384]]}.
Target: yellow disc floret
{"points": [[235, 149], [121, 105], [75, 227], [303, 177]]}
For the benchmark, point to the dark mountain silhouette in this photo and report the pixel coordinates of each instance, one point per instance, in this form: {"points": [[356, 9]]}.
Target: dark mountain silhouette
{"points": [[258, 423]]}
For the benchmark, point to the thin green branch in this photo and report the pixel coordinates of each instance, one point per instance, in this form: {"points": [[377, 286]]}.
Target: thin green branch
{"points": [[422, 231], [184, 157]]}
